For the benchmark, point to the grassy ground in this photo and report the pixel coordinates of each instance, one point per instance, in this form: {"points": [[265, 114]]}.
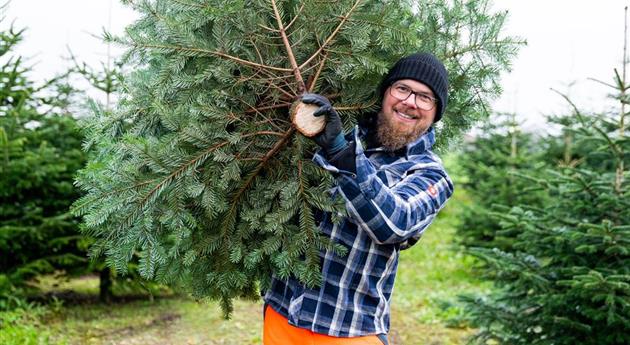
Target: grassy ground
{"points": [[430, 277], [164, 321]]}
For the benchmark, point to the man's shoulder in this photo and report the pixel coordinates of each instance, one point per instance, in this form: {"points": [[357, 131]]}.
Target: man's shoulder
{"points": [[419, 160], [424, 156]]}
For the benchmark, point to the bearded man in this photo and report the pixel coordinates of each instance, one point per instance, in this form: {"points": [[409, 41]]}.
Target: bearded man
{"points": [[393, 186]]}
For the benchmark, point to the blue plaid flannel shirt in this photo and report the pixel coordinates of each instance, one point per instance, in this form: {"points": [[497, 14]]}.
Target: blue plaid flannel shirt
{"points": [[390, 200]]}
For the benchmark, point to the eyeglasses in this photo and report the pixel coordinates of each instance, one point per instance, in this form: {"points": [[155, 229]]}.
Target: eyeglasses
{"points": [[423, 101]]}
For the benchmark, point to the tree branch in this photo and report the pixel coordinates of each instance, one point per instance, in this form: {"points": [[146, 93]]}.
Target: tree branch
{"points": [[332, 36], [275, 106], [287, 45], [478, 45], [613, 146], [263, 162], [215, 53], [268, 28], [312, 82], [357, 107], [296, 17], [181, 169], [257, 111], [189, 4]]}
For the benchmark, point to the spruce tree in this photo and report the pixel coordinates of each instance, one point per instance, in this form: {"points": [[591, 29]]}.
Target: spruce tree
{"points": [[199, 172], [494, 163], [566, 278], [40, 151]]}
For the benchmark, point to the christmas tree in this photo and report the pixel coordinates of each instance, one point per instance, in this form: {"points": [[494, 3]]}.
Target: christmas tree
{"points": [[40, 151], [494, 163], [566, 277], [200, 173]]}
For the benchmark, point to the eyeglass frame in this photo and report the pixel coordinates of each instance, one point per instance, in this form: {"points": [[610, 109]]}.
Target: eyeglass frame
{"points": [[434, 101]]}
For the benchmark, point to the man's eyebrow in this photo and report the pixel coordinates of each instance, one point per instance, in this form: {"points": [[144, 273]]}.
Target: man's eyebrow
{"points": [[425, 93]]}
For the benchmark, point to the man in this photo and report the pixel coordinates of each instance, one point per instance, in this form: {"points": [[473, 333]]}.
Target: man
{"points": [[393, 186]]}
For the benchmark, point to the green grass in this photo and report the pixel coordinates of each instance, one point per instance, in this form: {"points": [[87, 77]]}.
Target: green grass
{"points": [[430, 277], [164, 321], [24, 326]]}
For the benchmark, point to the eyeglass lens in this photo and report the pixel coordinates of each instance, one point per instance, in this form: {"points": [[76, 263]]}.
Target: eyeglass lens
{"points": [[402, 92]]}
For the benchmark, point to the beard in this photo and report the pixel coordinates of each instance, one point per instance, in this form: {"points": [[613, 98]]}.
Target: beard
{"points": [[392, 137]]}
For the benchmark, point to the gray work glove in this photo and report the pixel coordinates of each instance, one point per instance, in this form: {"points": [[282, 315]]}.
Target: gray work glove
{"points": [[331, 139]]}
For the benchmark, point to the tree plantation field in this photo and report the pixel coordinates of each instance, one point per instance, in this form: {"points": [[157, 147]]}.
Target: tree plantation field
{"points": [[430, 277], [150, 219]]}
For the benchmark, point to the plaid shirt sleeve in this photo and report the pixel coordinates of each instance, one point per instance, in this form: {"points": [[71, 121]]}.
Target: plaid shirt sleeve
{"points": [[396, 209]]}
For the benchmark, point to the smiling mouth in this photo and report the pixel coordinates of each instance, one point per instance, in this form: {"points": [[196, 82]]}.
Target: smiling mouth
{"points": [[405, 116]]}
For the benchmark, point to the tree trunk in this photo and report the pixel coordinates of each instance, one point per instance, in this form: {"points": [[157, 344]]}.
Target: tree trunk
{"points": [[105, 286]]}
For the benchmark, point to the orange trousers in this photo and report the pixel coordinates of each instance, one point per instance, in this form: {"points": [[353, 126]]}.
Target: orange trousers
{"points": [[278, 331]]}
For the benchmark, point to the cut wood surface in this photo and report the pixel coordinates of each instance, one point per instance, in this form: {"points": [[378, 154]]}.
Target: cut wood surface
{"points": [[304, 120]]}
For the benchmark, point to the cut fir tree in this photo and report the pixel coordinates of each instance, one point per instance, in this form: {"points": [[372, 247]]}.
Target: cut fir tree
{"points": [[200, 171], [304, 119]]}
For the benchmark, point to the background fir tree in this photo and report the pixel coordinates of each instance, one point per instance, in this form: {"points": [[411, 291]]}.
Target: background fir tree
{"points": [[199, 172], [106, 80], [493, 163], [40, 151], [566, 279], [562, 149]]}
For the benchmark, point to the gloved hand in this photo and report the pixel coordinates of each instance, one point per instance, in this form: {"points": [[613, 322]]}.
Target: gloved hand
{"points": [[331, 139]]}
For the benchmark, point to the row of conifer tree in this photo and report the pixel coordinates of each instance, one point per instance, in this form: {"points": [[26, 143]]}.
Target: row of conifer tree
{"points": [[198, 178], [549, 222]]}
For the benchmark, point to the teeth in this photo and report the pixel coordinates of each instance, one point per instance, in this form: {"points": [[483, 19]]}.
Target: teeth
{"points": [[406, 116]]}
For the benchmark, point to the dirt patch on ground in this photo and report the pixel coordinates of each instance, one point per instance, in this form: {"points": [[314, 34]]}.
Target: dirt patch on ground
{"points": [[163, 321]]}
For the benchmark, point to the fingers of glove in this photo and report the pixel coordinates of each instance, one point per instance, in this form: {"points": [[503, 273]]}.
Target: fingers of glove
{"points": [[313, 98], [320, 140], [323, 110]]}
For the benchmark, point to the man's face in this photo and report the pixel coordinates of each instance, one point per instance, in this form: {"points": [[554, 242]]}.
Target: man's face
{"points": [[402, 121]]}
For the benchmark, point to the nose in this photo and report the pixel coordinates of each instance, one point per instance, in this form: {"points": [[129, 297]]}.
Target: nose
{"points": [[410, 101]]}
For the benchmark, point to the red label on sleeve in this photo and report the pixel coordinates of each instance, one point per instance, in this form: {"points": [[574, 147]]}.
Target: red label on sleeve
{"points": [[433, 191]]}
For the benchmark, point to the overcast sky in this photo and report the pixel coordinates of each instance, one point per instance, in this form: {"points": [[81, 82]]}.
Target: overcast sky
{"points": [[568, 42]]}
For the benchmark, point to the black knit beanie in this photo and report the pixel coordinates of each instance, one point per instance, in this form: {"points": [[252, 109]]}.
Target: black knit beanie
{"points": [[425, 68]]}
